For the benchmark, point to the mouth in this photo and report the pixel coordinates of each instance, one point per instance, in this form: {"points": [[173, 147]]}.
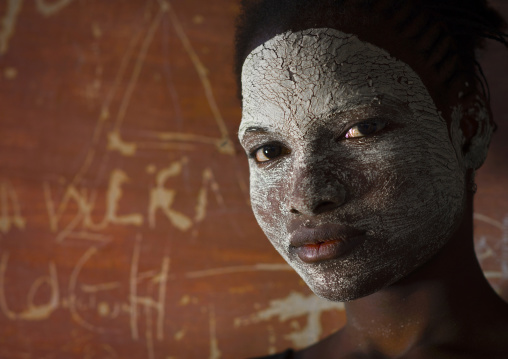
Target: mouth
{"points": [[324, 242]]}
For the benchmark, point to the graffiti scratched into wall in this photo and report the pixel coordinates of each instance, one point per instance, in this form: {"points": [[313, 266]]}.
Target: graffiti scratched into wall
{"points": [[135, 181], [160, 198]]}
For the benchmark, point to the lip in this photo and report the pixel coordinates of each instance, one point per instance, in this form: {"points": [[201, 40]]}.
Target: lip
{"points": [[324, 242]]}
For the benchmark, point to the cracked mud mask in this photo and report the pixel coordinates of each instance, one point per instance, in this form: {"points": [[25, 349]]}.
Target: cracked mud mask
{"points": [[353, 177]]}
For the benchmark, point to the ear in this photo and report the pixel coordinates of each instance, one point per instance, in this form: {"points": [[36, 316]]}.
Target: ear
{"points": [[471, 129]]}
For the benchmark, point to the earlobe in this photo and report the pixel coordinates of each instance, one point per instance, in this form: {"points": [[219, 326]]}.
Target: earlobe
{"points": [[471, 130]]}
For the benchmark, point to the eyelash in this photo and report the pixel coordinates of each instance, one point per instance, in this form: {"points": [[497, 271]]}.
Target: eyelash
{"points": [[380, 124], [283, 151]]}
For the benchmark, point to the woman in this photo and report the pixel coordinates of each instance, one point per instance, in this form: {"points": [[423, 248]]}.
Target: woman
{"points": [[364, 122]]}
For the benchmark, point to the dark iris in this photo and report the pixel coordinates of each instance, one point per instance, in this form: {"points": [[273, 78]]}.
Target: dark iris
{"points": [[366, 128], [271, 151]]}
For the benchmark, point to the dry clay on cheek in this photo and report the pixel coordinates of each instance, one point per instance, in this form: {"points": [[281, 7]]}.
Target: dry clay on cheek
{"points": [[288, 84]]}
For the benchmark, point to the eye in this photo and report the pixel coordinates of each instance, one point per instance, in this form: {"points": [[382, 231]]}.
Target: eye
{"points": [[365, 128], [269, 152]]}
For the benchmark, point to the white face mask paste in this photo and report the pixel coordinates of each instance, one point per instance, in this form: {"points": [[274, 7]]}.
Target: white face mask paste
{"points": [[403, 185]]}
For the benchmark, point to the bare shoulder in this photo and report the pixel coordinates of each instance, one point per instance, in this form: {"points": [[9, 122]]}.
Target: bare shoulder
{"points": [[487, 342]]}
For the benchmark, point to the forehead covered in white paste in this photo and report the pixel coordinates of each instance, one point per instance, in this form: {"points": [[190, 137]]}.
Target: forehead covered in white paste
{"points": [[306, 75]]}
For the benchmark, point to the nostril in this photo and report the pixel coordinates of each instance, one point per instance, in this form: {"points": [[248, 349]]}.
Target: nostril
{"points": [[325, 206], [309, 201]]}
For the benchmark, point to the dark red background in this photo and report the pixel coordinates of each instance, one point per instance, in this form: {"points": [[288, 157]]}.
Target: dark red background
{"points": [[125, 229]]}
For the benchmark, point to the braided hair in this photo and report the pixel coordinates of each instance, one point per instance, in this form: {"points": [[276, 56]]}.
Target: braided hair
{"points": [[446, 32]]}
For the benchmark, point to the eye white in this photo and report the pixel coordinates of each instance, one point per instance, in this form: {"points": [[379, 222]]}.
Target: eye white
{"points": [[269, 152], [260, 156], [365, 128]]}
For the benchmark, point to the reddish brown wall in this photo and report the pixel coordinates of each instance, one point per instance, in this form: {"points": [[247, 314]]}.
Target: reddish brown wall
{"points": [[125, 230]]}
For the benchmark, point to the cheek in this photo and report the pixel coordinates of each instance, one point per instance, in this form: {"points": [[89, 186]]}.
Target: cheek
{"points": [[402, 180], [268, 193], [420, 185]]}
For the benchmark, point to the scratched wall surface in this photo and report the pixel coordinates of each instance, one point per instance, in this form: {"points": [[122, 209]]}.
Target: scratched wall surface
{"points": [[125, 229]]}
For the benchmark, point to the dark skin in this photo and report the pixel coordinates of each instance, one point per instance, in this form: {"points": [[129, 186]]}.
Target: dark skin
{"points": [[445, 308]]}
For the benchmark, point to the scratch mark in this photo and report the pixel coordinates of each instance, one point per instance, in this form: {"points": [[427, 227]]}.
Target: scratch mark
{"points": [[223, 144], [148, 303], [133, 291], [165, 146], [179, 335], [486, 219], [293, 306], [185, 300], [238, 269], [188, 137], [71, 193], [272, 340], [148, 333], [116, 143], [146, 275], [137, 68], [198, 19], [118, 177], [10, 214], [10, 73], [493, 275], [40, 312], [64, 233], [116, 311], [162, 279], [226, 145], [185, 137], [3, 301], [86, 204], [208, 180], [94, 288], [53, 218], [72, 291], [96, 237], [104, 114], [52, 8], [114, 194], [33, 312], [9, 24], [96, 30], [162, 198], [179, 140], [215, 353], [483, 250]]}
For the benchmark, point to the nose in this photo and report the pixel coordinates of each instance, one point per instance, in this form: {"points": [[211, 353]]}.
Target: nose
{"points": [[314, 191]]}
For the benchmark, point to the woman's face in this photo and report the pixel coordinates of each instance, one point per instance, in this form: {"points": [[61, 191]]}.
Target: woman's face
{"points": [[353, 176]]}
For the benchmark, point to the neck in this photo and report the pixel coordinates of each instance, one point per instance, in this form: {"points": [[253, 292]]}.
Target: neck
{"points": [[439, 302]]}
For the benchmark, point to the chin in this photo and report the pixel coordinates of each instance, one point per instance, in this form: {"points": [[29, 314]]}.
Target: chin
{"points": [[327, 282], [341, 292]]}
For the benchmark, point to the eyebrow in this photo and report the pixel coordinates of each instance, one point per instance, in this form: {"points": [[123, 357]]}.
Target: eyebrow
{"points": [[256, 129], [336, 111]]}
